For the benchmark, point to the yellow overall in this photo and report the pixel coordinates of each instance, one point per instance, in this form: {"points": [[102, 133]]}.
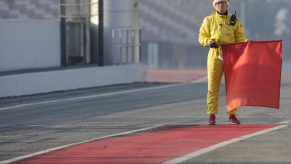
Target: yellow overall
{"points": [[216, 28]]}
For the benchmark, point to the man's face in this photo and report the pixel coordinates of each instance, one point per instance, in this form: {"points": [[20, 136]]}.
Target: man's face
{"points": [[221, 6]]}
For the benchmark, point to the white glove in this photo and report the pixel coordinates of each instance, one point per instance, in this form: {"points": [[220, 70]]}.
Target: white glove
{"points": [[220, 57]]}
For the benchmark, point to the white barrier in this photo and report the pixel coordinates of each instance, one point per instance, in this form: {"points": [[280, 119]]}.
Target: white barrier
{"points": [[68, 79]]}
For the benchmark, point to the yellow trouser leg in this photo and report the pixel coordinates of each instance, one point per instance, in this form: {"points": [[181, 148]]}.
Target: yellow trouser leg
{"points": [[215, 72]]}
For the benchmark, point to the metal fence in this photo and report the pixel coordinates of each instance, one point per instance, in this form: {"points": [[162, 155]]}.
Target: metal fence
{"points": [[126, 43]]}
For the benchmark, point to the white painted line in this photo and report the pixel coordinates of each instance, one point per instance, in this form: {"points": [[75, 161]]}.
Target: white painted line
{"points": [[88, 97], [219, 145], [174, 161], [98, 95], [74, 144], [285, 122], [202, 79]]}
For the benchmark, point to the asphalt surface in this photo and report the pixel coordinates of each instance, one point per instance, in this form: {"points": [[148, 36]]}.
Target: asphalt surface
{"points": [[35, 123]]}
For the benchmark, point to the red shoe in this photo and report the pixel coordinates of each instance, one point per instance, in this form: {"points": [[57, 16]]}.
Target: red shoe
{"points": [[211, 120], [233, 119]]}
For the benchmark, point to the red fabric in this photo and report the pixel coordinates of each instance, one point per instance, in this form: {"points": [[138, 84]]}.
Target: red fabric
{"points": [[252, 73]]}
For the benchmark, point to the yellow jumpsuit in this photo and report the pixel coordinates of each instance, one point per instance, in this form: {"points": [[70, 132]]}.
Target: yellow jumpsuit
{"points": [[216, 28]]}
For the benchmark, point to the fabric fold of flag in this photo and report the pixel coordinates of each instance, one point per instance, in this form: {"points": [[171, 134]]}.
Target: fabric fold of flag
{"points": [[252, 73]]}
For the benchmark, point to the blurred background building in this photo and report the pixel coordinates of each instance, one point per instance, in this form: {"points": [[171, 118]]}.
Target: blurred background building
{"points": [[85, 43], [172, 27]]}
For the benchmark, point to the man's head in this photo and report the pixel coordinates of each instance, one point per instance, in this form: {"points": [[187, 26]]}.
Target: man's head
{"points": [[220, 5]]}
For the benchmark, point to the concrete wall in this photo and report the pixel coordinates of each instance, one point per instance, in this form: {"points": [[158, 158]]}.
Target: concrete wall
{"points": [[30, 38], [26, 44], [61, 80]]}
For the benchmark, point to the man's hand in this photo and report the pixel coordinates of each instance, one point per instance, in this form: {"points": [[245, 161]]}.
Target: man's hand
{"points": [[213, 44]]}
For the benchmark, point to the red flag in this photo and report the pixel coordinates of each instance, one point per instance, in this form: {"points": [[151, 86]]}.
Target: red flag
{"points": [[252, 73]]}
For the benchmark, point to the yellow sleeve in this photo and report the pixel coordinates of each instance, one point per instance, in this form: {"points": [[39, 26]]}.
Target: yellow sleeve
{"points": [[204, 32], [240, 35]]}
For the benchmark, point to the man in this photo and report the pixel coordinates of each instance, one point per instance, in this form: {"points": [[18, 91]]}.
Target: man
{"points": [[218, 29]]}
